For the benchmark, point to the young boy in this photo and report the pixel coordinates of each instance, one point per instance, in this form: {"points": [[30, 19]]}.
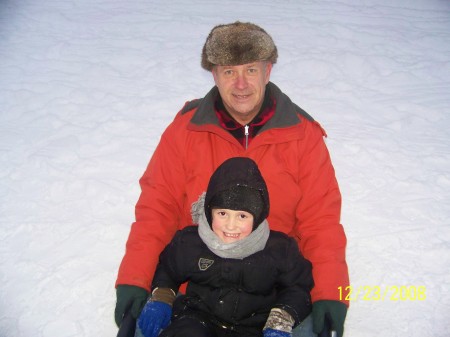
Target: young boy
{"points": [[243, 279]]}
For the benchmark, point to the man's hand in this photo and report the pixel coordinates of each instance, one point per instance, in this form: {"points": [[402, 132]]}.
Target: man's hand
{"points": [[129, 297], [335, 310]]}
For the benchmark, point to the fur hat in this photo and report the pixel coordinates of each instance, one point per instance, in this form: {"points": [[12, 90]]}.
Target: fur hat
{"points": [[238, 43], [237, 184]]}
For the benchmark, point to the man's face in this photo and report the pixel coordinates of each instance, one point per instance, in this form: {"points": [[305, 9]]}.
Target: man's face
{"points": [[242, 88]]}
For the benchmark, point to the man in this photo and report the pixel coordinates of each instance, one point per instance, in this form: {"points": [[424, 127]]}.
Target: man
{"points": [[243, 115]]}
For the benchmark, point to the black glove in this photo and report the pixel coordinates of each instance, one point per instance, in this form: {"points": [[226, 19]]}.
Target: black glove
{"points": [[335, 310], [129, 297]]}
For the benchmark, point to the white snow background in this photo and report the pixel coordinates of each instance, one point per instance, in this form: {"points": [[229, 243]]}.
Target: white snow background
{"points": [[88, 86]]}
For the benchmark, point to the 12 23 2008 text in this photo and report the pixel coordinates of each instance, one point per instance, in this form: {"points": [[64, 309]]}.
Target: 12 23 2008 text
{"points": [[382, 293]]}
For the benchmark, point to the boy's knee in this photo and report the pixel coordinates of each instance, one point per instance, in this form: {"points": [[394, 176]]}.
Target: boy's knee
{"points": [[187, 327]]}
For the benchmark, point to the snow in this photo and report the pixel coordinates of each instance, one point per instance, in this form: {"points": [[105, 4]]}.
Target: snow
{"points": [[88, 86]]}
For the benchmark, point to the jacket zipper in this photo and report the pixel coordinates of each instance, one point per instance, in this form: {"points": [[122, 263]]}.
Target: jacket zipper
{"points": [[246, 135]]}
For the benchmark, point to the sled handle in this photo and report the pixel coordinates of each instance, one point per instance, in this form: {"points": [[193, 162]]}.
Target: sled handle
{"points": [[327, 332], [128, 326]]}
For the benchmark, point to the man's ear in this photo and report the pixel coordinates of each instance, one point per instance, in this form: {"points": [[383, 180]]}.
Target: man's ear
{"points": [[214, 73]]}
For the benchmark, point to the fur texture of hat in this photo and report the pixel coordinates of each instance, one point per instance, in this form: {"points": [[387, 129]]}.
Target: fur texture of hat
{"points": [[237, 43]]}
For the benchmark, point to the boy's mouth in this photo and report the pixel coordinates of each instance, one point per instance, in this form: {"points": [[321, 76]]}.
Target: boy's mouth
{"points": [[231, 235]]}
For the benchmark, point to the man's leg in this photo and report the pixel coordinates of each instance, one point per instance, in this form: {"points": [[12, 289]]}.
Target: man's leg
{"points": [[305, 328]]}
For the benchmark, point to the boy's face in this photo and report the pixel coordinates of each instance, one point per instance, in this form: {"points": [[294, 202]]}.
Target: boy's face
{"points": [[231, 226]]}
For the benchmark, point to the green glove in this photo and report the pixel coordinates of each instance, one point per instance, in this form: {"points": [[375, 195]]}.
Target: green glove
{"points": [[129, 297], [335, 310]]}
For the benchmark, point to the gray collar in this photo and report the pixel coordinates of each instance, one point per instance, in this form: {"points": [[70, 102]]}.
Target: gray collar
{"points": [[286, 112]]}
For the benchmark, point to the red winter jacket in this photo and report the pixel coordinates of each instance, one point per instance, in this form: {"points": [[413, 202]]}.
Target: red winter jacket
{"points": [[292, 156]]}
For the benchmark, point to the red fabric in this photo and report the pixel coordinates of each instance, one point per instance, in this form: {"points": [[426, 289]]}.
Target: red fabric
{"points": [[304, 195]]}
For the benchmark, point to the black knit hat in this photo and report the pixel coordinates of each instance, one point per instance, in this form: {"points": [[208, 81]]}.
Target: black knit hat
{"points": [[237, 43], [237, 184]]}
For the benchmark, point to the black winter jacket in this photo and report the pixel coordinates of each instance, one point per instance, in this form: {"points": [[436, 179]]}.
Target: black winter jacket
{"points": [[234, 292]]}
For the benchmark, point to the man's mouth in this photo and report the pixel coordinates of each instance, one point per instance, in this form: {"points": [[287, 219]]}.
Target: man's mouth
{"points": [[241, 96]]}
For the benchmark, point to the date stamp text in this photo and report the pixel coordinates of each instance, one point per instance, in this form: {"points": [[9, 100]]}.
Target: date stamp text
{"points": [[382, 293]]}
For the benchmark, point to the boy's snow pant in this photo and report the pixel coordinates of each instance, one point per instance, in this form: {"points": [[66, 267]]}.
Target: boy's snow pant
{"points": [[189, 326]]}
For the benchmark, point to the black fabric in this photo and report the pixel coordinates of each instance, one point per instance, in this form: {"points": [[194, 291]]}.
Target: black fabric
{"points": [[188, 327], [240, 198], [238, 293], [193, 325], [238, 184]]}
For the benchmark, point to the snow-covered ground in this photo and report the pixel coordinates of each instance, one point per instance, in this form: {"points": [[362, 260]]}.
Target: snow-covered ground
{"points": [[88, 86]]}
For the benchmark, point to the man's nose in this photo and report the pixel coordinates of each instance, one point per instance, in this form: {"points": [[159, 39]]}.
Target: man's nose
{"points": [[241, 81]]}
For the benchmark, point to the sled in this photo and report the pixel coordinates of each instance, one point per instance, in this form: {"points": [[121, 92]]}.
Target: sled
{"points": [[128, 326]]}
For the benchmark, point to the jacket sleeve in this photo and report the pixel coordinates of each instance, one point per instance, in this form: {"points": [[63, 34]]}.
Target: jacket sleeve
{"points": [[170, 271], [294, 283], [158, 212], [319, 232]]}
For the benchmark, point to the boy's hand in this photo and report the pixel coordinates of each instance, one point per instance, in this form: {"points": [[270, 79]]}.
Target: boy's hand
{"points": [[154, 317], [278, 324], [275, 333]]}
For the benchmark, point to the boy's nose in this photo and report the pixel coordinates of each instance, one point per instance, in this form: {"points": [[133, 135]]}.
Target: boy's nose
{"points": [[231, 224]]}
